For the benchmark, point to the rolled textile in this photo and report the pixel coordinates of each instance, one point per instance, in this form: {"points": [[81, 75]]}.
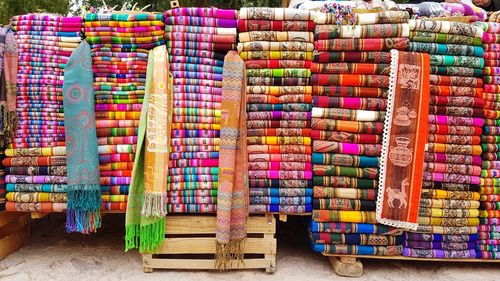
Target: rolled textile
{"points": [[362, 228], [448, 254], [432, 37], [275, 25], [384, 17], [361, 31], [447, 27], [365, 44], [261, 13], [356, 239]]}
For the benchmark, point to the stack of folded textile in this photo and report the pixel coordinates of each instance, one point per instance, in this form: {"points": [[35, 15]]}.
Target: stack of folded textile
{"points": [[488, 243], [36, 162], [350, 81], [448, 215], [120, 44], [197, 41], [277, 45]]}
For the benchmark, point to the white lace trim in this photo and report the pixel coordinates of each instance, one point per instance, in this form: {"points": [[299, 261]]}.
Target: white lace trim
{"points": [[385, 144]]}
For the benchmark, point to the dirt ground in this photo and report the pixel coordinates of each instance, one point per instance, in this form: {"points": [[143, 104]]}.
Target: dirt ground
{"points": [[54, 255]]}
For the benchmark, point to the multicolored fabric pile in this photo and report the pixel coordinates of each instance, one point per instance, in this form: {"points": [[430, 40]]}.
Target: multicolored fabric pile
{"points": [[449, 215], [120, 44], [197, 41], [488, 243], [350, 86], [277, 46], [444, 9], [36, 161]]}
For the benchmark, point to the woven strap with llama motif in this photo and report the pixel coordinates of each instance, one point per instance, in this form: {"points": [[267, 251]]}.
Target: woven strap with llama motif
{"points": [[404, 139]]}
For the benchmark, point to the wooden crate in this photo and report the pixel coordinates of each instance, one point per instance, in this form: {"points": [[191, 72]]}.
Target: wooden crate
{"points": [[14, 232], [190, 244]]}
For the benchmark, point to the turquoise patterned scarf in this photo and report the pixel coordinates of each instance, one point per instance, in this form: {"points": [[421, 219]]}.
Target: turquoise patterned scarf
{"points": [[84, 190]]}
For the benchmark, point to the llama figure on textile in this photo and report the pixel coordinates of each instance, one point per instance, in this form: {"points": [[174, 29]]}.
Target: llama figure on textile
{"points": [[400, 195]]}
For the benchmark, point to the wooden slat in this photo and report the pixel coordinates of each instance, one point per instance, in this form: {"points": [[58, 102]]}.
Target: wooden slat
{"points": [[206, 245], [207, 225], [202, 263], [15, 225], [14, 241], [401, 258], [8, 217]]}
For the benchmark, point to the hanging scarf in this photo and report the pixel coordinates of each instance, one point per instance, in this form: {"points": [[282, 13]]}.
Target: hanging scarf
{"points": [[404, 139], [84, 190], [232, 199], [147, 198], [8, 85]]}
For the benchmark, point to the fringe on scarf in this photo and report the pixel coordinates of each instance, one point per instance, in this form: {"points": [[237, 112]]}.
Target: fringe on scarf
{"points": [[226, 253], [84, 208], [148, 238], [154, 204], [10, 122]]}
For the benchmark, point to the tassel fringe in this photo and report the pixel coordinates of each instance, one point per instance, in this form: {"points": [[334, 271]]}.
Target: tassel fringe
{"points": [[226, 253], [154, 204], [84, 208], [148, 238]]}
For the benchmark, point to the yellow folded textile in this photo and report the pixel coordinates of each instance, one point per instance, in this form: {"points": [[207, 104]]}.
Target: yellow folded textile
{"points": [[279, 90], [448, 221], [276, 46], [449, 203], [444, 194], [448, 213], [277, 36], [36, 197], [33, 152], [343, 216], [276, 55]]}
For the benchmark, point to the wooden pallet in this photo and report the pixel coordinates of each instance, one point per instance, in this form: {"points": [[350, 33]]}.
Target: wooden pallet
{"points": [[14, 232], [351, 265], [190, 244]]}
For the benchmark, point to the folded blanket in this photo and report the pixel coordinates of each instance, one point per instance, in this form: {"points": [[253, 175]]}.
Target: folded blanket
{"points": [[323, 32]]}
